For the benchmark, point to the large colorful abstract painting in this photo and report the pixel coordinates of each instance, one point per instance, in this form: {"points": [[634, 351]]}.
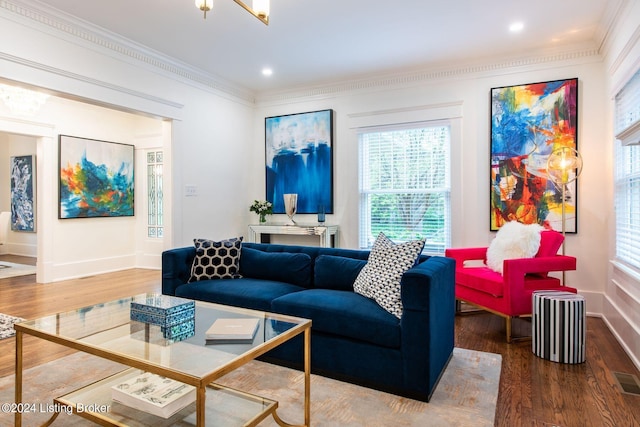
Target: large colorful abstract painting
{"points": [[96, 178], [22, 187], [299, 160], [529, 122]]}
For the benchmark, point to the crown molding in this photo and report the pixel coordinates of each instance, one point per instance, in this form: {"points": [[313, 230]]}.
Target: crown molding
{"points": [[84, 33], [426, 75], [87, 34]]}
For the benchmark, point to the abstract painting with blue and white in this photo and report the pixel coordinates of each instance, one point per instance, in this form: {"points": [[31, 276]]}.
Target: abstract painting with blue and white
{"points": [[22, 194], [299, 160]]}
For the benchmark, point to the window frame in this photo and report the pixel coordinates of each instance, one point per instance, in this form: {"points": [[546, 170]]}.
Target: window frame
{"points": [[365, 235]]}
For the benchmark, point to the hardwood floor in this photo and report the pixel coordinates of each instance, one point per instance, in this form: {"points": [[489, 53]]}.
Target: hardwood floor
{"points": [[533, 391]]}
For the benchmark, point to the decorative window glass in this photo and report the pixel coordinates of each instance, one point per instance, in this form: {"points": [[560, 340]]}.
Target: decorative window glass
{"points": [[154, 195]]}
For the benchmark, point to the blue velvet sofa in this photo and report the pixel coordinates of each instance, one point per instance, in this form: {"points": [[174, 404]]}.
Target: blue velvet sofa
{"points": [[353, 339]]}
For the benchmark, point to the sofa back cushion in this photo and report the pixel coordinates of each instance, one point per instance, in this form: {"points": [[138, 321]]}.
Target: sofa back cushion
{"points": [[336, 272], [294, 268]]}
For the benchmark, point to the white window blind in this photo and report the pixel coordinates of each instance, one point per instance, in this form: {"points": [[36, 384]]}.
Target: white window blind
{"points": [[405, 184], [627, 191], [627, 111]]}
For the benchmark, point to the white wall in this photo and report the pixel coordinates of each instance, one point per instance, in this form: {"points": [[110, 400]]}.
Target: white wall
{"points": [[621, 306], [205, 142], [216, 141], [470, 160]]}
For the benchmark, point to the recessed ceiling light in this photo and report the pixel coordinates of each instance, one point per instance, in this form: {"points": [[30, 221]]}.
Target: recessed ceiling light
{"points": [[516, 27], [267, 71]]}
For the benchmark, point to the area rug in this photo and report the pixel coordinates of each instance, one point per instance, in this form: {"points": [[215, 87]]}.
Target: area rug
{"points": [[6, 325], [10, 269], [466, 395]]}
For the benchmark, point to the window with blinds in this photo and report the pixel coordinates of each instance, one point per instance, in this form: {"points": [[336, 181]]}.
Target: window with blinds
{"points": [[627, 187], [627, 111], [405, 184]]}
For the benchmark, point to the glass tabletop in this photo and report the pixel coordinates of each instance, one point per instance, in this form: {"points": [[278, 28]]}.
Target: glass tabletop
{"points": [[107, 330]]}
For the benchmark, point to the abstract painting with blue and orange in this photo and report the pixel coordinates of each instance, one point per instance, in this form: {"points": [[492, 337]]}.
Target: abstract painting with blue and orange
{"points": [[528, 123], [96, 178]]}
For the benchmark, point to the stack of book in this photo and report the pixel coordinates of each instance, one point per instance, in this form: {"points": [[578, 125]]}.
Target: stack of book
{"points": [[175, 316], [154, 394]]}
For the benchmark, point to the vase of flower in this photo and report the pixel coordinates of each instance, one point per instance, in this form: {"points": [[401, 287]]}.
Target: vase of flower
{"points": [[262, 208]]}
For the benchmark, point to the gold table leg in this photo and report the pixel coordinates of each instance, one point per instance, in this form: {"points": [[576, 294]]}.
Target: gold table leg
{"points": [[18, 379], [307, 385]]}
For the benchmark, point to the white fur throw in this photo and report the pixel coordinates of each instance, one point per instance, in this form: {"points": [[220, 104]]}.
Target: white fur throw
{"points": [[513, 240]]}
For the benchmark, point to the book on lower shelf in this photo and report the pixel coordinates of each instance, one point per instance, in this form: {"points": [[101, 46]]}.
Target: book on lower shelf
{"points": [[154, 394], [233, 330]]}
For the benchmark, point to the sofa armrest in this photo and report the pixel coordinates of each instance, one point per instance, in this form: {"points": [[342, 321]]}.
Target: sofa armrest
{"points": [[466, 254], [427, 324], [176, 268]]}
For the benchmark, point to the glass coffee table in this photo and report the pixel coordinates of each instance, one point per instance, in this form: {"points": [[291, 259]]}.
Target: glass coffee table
{"points": [[105, 330]]}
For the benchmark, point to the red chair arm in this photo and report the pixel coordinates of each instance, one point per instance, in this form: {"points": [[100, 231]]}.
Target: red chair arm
{"points": [[466, 254], [522, 266]]}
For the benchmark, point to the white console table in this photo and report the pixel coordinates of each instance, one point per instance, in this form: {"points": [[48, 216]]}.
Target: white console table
{"points": [[325, 232]]}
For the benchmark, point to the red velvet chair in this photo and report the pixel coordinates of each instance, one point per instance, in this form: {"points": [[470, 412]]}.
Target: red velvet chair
{"points": [[509, 294]]}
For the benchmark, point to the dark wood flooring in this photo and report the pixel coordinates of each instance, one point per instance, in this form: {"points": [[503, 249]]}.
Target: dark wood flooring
{"points": [[533, 391]]}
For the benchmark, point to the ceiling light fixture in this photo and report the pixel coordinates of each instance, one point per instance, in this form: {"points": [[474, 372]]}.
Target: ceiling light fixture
{"points": [[516, 27], [260, 8], [22, 101], [205, 6]]}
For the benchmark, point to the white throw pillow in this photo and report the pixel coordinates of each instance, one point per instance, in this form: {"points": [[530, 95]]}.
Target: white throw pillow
{"points": [[513, 240]]}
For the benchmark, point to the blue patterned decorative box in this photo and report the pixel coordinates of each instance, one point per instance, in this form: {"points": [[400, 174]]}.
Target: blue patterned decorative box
{"points": [[179, 331], [160, 335], [163, 310]]}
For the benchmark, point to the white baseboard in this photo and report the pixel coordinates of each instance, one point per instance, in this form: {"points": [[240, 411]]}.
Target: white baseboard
{"points": [[21, 249], [75, 270]]}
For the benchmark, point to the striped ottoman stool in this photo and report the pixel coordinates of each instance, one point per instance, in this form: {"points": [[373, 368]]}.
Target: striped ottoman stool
{"points": [[558, 326]]}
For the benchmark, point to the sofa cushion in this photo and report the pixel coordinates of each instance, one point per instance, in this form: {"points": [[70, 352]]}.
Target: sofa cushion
{"points": [[216, 260], [513, 240], [248, 293], [380, 277], [294, 268], [342, 313], [336, 272]]}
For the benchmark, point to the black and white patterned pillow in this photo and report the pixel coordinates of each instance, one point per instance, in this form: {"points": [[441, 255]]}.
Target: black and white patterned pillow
{"points": [[216, 260], [380, 278]]}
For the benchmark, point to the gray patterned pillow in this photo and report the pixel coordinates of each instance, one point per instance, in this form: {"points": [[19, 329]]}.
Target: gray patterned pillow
{"points": [[380, 278], [216, 260]]}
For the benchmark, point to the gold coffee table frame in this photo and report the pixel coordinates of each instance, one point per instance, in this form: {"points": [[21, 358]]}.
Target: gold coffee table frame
{"points": [[111, 335]]}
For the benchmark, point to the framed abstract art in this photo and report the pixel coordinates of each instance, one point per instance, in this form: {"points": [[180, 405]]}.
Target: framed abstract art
{"points": [[299, 159], [96, 178], [23, 193], [528, 123]]}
